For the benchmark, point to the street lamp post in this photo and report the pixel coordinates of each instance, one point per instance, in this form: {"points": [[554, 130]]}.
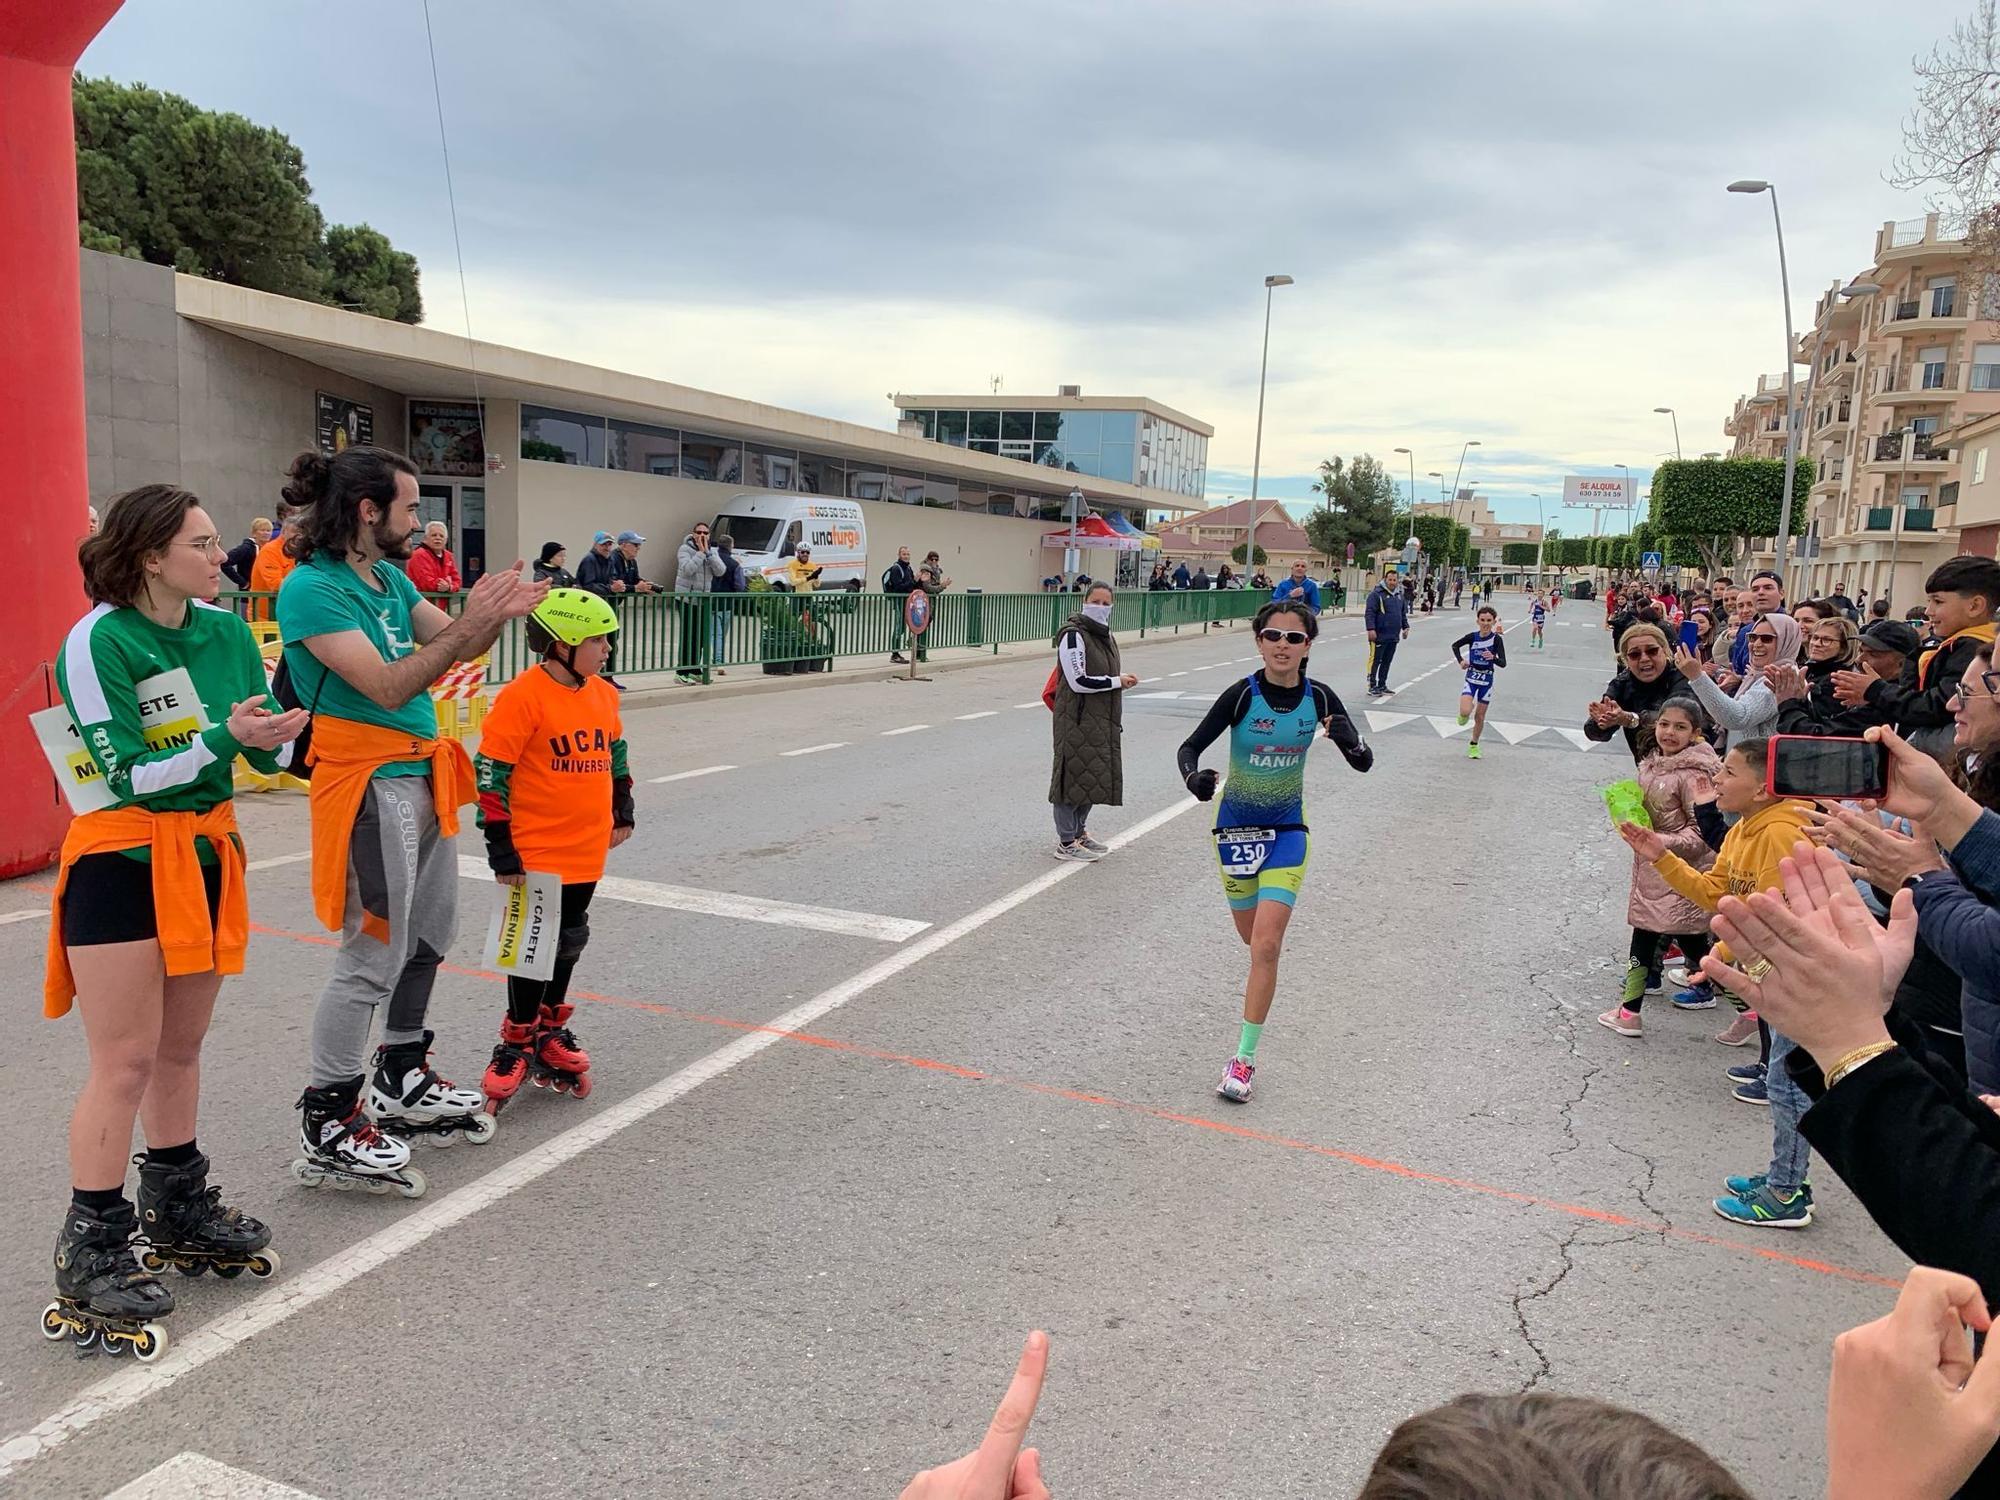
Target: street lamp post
{"points": [[1541, 539], [1469, 444], [1753, 185], [1668, 411], [1271, 283], [1412, 457], [1630, 495]]}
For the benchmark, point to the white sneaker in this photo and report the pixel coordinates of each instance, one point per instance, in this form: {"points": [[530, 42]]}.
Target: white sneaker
{"points": [[1677, 976]]}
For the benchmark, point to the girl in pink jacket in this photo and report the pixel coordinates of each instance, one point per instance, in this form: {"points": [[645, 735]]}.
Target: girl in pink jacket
{"points": [[1675, 776]]}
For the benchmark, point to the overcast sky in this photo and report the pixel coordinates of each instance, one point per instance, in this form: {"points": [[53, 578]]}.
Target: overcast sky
{"points": [[1506, 218]]}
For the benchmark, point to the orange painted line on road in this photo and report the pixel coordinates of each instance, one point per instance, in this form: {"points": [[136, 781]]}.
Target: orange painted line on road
{"points": [[1154, 1112]]}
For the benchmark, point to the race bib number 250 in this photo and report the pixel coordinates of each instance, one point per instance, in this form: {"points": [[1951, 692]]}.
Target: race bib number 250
{"points": [[1244, 850]]}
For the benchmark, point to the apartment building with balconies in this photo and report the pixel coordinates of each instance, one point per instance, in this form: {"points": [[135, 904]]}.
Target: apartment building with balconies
{"points": [[1887, 374]]}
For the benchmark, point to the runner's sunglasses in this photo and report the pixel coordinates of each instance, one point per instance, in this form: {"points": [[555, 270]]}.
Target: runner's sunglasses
{"points": [[1289, 637]]}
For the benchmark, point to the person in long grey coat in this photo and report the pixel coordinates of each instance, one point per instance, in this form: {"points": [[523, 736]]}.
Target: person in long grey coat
{"points": [[1089, 768]]}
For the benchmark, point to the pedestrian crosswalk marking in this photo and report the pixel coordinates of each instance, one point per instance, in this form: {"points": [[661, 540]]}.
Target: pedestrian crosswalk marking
{"points": [[1576, 737], [1446, 728], [1379, 720], [1515, 733]]}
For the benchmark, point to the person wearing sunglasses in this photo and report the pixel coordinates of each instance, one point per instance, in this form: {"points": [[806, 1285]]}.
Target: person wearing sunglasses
{"points": [[1646, 679], [1806, 701], [1260, 833], [1751, 711]]}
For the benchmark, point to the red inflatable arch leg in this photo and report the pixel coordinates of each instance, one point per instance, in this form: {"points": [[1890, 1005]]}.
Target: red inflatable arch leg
{"points": [[43, 504]]}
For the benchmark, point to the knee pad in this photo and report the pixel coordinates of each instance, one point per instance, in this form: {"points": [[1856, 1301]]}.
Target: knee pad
{"points": [[570, 941]]}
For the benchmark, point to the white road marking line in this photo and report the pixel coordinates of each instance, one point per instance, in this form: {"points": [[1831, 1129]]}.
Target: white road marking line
{"points": [[906, 729], [128, 1387], [1144, 680], [687, 775], [1177, 674], [279, 859], [815, 749], [1515, 733], [1446, 728], [190, 1476], [984, 713], [1170, 693], [1378, 720], [1576, 737], [1036, 704], [24, 916], [707, 903]]}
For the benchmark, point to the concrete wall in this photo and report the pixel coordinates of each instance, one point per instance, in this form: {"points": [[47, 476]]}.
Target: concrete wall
{"points": [[169, 400], [561, 502]]}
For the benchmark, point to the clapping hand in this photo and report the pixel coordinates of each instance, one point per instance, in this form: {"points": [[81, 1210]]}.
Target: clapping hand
{"points": [[255, 727], [1824, 972], [1851, 686], [1909, 1411], [504, 595], [999, 1468], [1787, 682], [1879, 855]]}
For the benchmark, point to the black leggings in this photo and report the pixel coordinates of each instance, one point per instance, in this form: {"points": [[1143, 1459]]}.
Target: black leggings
{"points": [[1647, 948], [526, 997]]}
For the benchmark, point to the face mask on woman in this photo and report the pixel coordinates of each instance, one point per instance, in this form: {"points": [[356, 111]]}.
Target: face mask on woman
{"points": [[1101, 613]]}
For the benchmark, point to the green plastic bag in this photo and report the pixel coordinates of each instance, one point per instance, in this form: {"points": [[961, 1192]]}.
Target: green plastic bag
{"points": [[1626, 802]]}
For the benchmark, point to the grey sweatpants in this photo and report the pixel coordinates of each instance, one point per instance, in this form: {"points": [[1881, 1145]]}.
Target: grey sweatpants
{"points": [[402, 911], [1070, 821]]}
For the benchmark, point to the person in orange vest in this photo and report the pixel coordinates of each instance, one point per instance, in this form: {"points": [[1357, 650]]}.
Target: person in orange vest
{"points": [[273, 563]]}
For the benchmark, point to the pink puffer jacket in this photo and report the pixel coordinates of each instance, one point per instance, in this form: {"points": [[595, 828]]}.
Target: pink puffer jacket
{"points": [[1670, 782]]}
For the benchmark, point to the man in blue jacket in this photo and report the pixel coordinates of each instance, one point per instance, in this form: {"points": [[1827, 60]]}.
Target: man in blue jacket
{"points": [[1387, 618], [1298, 587]]}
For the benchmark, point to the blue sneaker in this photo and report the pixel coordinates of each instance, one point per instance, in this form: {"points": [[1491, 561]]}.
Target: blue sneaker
{"points": [[1747, 1073], [1695, 997], [1746, 1187], [1752, 1092], [1764, 1209]]}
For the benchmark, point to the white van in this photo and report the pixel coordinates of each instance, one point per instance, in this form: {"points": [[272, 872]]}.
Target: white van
{"points": [[769, 528]]}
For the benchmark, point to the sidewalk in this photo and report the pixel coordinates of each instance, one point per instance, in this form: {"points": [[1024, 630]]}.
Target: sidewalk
{"points": [[650, 689]]}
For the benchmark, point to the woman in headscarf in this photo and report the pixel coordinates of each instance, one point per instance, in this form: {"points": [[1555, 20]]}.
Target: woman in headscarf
{"points": [[1751, 712]]}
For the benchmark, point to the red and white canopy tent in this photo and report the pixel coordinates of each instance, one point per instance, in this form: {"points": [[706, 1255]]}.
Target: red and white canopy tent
{"points": [[1089, 531]]}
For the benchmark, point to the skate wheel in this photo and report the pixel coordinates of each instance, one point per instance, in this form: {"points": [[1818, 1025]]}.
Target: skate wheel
{"points": [[114, 1345], [149, 1344], [194, 1267], [414, 1183], [227, 1273], [581, 1088], [87, 1337], [265, 1264], [373, 1184], [153, 1261], [479, 1128], [54, 1324], [443, 1140], [543, 1083], [303, 1173]]}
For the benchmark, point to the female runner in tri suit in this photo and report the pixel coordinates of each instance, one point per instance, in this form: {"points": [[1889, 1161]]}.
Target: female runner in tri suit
{"points": [[1261, 839]]}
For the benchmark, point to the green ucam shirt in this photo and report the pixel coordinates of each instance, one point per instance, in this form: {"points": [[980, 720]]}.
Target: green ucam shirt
{"points": [[152, 705], [324, 596]]}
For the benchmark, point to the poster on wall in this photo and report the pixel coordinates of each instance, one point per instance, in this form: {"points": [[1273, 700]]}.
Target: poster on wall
{"points": [[343, 423], [445, 438]]}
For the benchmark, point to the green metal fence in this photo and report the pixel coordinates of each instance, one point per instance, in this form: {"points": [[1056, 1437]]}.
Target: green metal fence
{"points": [[782, 632]]}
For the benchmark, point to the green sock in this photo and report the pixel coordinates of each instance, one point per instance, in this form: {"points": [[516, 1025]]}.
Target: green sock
{"points": [[1246, 1048]]}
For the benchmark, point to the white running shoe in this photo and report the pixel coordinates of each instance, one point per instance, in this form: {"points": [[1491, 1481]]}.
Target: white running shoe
{"points": [[1235, 1085]]}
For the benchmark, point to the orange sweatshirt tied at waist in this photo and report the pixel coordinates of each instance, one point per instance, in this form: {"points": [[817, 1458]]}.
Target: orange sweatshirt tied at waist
{"points": [[344, 757], [189, 942]]}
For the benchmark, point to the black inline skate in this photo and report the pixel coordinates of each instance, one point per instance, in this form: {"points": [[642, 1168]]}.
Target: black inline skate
{"points": [[341, 1148], [187, 1227], [408, 1099], [104, 1299]]}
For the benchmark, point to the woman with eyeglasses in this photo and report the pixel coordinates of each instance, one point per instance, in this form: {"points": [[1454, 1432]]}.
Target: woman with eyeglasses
{"points": [[1751, 711], [1260, 833], [1646, 679], [1806, 701], [164, 693]]}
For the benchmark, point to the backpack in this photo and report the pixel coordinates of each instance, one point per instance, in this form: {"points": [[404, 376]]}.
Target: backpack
{"points": [[286, 691]]}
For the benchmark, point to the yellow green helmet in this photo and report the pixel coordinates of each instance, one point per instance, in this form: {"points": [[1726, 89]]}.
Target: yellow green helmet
{"points": [[570, 616]]}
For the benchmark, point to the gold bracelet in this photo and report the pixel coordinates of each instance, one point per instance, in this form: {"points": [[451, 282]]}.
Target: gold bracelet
{"points": [[1855, 1059]]}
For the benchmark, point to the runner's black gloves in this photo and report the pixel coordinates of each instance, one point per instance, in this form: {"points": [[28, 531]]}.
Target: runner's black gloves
{"points": [[1202, 784]]}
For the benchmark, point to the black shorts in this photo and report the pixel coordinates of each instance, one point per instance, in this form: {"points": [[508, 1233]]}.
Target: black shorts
{"points": [[109, 899]]}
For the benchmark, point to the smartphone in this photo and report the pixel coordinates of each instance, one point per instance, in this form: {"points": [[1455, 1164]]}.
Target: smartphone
{"points": [[1805, 765], [1690, 636]]}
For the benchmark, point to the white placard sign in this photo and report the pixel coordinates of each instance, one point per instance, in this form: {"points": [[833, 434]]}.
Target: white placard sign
{"points": [[521, 941], [170, 715]]}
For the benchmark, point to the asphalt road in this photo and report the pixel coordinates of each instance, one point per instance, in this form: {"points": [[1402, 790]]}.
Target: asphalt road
{"points": [[836, 1166]]}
